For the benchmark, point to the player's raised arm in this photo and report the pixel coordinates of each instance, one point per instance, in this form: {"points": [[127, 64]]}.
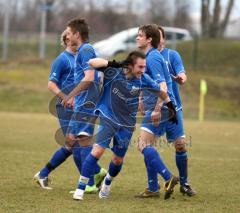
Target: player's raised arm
{"points": [[98, 62], [102, 63]]}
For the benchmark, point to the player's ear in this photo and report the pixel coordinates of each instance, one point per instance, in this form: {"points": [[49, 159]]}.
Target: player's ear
{"points": [[130, 67], [149, 40], [78, 35]]}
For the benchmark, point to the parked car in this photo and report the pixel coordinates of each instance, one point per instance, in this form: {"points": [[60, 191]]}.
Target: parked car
{"points": [[126, 40]]}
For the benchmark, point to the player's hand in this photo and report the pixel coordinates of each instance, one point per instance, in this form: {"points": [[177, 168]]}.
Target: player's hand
{"points": [[156, 117], [180, 78], [68, 102], [115, 64], [141, 107], [172, 112], [118, 64]]}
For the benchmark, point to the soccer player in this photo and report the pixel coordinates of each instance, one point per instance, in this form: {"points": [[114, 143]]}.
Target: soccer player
{"points": [[179, 77], [88, 82], [117, 111], [147, 40], [60, 83]]}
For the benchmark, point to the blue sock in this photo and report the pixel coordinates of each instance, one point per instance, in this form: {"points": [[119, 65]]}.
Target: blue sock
{"points": [[77, 156], [113, 171], [97, 169], [152, 178], [57, 159], [181, 161], [85, 151], [153, 160], [88, 169]]}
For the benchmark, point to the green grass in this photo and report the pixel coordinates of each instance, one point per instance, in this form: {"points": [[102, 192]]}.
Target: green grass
{"points": [[27, 142], [23, 88], [23, 82], [218, 55]]}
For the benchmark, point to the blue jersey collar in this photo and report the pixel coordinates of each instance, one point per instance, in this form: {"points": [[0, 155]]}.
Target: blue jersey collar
{"points": [[150, 50], [82, 45], [69, 53]]}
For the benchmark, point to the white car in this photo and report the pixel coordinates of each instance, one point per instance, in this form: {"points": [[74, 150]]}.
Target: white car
{"points": [[126, 40]]}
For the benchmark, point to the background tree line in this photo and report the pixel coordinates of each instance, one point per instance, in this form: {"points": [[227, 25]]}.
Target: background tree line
{"points": [[106, 17]]}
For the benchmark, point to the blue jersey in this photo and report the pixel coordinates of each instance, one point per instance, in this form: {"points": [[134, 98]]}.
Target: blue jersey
{"points": [[120, 98], [175, 66], [87, 99], [62, 71], [157, 69]]}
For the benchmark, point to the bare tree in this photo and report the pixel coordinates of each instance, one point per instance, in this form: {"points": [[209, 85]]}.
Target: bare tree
{"points": [[212, 25], [215, 23], [159, 12], [182, 17], [205, 17], [226, 18]]}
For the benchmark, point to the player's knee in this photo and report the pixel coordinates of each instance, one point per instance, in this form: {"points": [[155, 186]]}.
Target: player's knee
{"points": [[143, 142], [85, 140], [97, 151], [70, 141], [117, 160], [180, 145]]}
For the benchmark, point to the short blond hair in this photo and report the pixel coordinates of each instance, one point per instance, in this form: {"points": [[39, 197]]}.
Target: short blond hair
{"points": [[64, 38]]}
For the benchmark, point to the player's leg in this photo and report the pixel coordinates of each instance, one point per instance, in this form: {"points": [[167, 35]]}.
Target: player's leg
{"points": [[153, 161], [88, 171], [147, 140], [84, 128], [103, 138], [175, 132], [85, 143], [115, 167], [182, 165], [57, 159], [155, 165], [121, 142], [61, 154]]}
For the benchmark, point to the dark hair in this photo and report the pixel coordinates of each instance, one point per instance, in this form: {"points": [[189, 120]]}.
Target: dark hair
{"points": [[162, 31], [151, 31], [133, 56], [81, 26]]}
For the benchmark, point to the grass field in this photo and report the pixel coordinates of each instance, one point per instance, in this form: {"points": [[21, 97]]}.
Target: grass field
{"points": [[23, 87], [27, 141]]}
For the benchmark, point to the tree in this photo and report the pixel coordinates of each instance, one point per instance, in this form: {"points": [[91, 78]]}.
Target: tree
{"points": [[227, 17], [160, 12], [205, 17], [182, 18], [212, 25]]}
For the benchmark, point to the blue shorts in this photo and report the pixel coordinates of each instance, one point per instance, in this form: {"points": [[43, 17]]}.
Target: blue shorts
{"points": [[172, 130], [121, 136], [82, 123], [64, 117]]}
